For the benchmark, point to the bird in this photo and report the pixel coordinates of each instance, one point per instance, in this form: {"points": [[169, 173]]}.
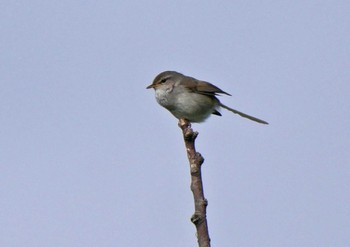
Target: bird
{"points": [[191, 99]]}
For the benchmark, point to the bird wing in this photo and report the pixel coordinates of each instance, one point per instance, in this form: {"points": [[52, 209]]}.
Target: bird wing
{"points": [[202, 87]]}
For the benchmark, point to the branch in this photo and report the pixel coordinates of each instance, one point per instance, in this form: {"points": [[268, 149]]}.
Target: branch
{"points": [[199, 218]]}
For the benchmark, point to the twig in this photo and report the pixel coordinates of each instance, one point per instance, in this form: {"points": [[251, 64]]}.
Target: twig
{"points": [[199, 218]]}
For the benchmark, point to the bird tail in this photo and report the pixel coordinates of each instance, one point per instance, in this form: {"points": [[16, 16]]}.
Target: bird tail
{"points": [[243, 114]]}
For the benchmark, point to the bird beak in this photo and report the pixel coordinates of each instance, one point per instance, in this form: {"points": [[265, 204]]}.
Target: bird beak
{"points": [[151, 86]]}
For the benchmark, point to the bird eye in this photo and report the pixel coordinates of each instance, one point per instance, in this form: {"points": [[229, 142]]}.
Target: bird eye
{"points": [[163, 80]]}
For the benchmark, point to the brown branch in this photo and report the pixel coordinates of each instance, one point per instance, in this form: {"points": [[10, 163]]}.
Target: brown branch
{"points": [[199, 218]]}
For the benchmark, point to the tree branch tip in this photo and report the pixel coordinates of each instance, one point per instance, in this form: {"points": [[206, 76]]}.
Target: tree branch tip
{"points": [[184, 123]]}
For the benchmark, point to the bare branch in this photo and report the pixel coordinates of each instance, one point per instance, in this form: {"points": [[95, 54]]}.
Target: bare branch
{"points": [[199, 218]]}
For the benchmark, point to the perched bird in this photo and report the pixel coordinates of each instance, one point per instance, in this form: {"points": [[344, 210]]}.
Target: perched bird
{"points": [[188, 98]]}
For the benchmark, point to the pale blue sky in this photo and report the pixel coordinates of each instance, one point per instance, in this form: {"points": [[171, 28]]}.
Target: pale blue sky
{"points": [[88, 158]]}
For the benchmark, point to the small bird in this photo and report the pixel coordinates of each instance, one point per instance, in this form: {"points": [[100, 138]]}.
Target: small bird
{"points": [[188, 98]]}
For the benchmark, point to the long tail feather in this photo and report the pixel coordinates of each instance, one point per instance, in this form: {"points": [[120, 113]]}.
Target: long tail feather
{"points": [[243, 114]]}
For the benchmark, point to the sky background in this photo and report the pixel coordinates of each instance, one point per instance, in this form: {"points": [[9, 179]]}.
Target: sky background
{"points": [[88, 158]]}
